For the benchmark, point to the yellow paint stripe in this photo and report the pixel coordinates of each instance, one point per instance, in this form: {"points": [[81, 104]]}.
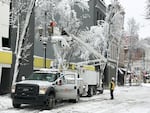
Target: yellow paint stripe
{"points": [[5, 57], [87, 67], [39, 62], [72, 66]]}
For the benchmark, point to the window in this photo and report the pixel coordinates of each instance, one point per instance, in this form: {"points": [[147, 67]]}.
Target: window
{"points": [[51, 77], [100, 17], [5, 42], [97, 15]]}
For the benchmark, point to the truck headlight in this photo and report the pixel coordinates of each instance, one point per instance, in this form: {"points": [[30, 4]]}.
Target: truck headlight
{"points": [[13, 88], [42, 90]]}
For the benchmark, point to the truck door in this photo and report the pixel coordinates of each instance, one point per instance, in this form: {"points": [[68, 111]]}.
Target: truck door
{"points": [[66, 88]]}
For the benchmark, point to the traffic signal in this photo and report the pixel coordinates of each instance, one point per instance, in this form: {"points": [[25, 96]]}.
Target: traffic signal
{"points": [[51, 28]]}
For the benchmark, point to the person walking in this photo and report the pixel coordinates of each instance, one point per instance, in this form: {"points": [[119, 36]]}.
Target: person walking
{"points": [[112, 87]]}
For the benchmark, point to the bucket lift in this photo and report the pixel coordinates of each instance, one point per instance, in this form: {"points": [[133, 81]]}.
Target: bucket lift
{"points": [[66, 41]]}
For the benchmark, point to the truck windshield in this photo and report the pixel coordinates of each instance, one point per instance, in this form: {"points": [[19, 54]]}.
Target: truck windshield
{"points": [[51, 77]]}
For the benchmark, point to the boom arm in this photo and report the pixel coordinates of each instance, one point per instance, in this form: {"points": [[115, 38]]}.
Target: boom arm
{"points": [[100, 59]]}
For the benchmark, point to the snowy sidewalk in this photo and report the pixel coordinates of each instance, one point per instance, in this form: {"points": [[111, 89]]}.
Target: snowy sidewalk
{"points": [[5, 102]]}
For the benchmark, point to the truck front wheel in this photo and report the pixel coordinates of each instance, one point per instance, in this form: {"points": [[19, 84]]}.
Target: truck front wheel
{"points": [[16, 105], [50, 103]]}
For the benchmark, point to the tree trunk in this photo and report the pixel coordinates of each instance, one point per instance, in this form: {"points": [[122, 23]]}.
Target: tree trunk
{"points": [[20, 43]]}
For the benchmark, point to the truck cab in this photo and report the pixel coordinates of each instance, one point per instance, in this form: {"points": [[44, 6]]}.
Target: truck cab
{"points": [[45, 87]]}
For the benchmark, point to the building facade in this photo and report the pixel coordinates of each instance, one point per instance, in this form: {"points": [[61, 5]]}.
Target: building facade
{"points": [[135, 58], [5, 51], [97, 11], [146, 60]]}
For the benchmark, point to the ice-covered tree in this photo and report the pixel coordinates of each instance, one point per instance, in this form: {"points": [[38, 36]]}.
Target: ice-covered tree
{"points": [[105, 32], [132, 32], [62, 12], [132, 36], [115, 20], [132, 27], [148, 9], [93, 37], [48, 9], [51, 8], [22, 44]]}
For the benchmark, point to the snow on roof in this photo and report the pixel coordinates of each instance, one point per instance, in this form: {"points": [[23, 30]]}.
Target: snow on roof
{"points": [[45, 70]]}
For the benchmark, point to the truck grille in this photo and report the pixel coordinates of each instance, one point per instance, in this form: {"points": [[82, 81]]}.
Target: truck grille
{"points": [[27, 90]]}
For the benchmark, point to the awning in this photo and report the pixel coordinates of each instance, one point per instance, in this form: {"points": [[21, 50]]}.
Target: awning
{"points": [[124, 69], [120, 71]]}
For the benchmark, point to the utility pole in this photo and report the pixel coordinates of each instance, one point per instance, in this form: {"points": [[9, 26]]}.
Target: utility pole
{"points": [[118, 54], [129, 58]]}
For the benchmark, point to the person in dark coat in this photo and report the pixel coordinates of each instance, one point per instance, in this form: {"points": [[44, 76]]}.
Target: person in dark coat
{"points": [[112, 87]]}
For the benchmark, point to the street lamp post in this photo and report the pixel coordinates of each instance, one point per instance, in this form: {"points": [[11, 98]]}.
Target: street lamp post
{"points": [[46, 37], [45, 45], [45, 42]]}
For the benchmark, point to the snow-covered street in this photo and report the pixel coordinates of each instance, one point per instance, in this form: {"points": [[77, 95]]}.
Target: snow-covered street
{"points": [[134, 99]]}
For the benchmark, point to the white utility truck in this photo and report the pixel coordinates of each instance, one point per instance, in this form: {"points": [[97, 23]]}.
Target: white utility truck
{"points": [[46, 86], [92, 75], [93, 79]]}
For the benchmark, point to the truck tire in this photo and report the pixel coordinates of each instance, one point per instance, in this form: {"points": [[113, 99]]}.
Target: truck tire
{"points": [[50, 103], [16, 105], [94, 90], [90, 92], [101, 91]]}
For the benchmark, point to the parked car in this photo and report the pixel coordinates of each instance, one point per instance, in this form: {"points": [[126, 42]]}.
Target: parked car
{"points": [[147, 76]]}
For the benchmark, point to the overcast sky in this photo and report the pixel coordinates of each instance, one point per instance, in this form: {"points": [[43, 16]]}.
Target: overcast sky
{"points": [[136, 9]]}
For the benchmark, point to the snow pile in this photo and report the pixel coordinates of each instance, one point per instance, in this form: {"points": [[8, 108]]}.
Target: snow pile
{"points": [[145, 85], [5, 102]]}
